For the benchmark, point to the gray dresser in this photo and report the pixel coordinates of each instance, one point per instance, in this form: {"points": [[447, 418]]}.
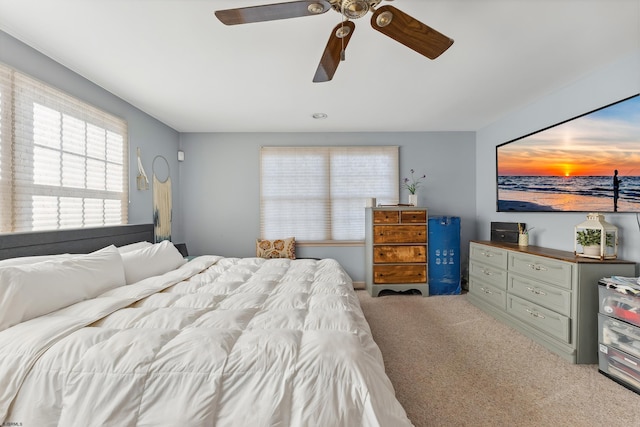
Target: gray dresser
{"points": [[547, 294]]}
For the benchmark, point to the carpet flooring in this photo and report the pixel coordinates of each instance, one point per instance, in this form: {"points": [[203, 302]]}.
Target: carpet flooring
{"points": [[453, 365]]}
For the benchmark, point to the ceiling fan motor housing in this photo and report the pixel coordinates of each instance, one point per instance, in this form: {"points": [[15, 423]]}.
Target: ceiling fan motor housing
{"points": [[354, 9]]}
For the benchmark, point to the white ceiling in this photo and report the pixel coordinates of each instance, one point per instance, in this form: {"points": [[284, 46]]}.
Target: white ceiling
{"points": [[174, 60]]}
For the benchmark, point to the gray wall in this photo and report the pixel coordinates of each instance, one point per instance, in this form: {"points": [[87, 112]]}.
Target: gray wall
{"points": [[555, 230], [153, 137], [216, 190], [220, 186]]}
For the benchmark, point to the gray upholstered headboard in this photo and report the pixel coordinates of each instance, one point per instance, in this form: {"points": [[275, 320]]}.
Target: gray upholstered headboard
{"points": [[79, 240]]}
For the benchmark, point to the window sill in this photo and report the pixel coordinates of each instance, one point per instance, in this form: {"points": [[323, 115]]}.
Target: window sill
{"points": [[342, 243]]}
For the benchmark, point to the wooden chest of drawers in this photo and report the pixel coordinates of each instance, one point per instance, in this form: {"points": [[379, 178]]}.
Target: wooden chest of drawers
{"points": [[396, 249]]}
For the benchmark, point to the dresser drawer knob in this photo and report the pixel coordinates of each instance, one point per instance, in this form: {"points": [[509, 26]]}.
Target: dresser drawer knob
{"points": [[487, 272], [537, 267], [486, 254], [535, 314], [535, 291], [485, 290]]}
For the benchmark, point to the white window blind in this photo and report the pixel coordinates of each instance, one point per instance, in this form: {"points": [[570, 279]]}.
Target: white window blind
{"points": [[319, 193], [63, 163]]}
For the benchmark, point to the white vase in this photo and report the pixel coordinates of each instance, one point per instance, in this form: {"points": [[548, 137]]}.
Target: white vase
{"points": [[523, 239], [413, 199]]}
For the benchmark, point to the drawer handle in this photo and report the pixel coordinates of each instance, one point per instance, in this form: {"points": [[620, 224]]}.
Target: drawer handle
{"points": [[487, 254], [487, 272], [485, 290], [535, 314], [537, 267], [536, 291]]}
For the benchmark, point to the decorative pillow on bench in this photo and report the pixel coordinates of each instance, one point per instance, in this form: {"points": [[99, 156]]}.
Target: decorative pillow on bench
{"points": [[279, 248]]}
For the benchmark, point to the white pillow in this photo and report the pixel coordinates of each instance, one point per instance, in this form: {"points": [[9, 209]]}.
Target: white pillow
{"points": [[31, 290], [133, 247], [151, 261], [34, 259]]}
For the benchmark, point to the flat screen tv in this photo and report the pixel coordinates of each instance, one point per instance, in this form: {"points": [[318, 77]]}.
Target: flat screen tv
{"points": [[590, 163]]}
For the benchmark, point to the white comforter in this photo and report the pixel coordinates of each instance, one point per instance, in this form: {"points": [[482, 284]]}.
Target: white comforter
{"points": [[217, 342]]}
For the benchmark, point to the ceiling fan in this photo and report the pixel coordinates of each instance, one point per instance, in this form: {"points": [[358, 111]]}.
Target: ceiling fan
{"points": [[386, 19]]}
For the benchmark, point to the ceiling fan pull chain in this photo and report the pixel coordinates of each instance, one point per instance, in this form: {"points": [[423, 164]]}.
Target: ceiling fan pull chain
{"points": [[343, 55]]}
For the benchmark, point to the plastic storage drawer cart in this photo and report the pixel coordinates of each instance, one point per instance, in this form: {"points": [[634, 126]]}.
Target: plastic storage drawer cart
{"points": [[444, 255], [619, 335]]}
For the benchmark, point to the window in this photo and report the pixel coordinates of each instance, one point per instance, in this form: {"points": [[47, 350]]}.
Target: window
{"points": [[318, 193], [63, 163]]}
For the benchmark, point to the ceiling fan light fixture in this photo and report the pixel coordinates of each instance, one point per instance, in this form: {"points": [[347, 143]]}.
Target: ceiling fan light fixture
{"points": [[384, 19], [343, 32], [354, 9], [315, 8]]}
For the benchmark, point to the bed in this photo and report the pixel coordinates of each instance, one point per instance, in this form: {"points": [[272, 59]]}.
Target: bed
{"points": [[136, 335]]}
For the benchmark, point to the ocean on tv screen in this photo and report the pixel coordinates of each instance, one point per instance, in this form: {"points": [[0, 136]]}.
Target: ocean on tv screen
{"points": [[560, 193]]}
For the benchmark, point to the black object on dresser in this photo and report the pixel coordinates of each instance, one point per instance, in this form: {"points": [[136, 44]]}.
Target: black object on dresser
{"points": [[506, 232]]}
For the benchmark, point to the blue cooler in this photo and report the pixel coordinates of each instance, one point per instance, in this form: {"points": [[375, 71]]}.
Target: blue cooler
{"points": [[444, 255]]}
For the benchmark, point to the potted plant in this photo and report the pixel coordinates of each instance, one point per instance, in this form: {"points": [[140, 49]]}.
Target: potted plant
{"points": [[590, 239], [412, 186]]}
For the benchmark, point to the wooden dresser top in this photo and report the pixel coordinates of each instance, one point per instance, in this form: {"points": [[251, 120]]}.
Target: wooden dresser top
{"points": [[551, 253]]}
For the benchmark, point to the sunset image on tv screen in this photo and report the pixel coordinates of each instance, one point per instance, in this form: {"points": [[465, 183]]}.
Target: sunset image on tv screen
{"points": [[587, 164]]}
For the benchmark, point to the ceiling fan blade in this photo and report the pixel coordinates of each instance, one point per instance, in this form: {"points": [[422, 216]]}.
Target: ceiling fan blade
{"points": [[271, 12], [333, 52], [410, 32]]}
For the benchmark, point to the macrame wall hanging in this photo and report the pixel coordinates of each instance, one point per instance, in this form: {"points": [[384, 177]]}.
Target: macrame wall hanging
{"points": [[161, 204]]}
